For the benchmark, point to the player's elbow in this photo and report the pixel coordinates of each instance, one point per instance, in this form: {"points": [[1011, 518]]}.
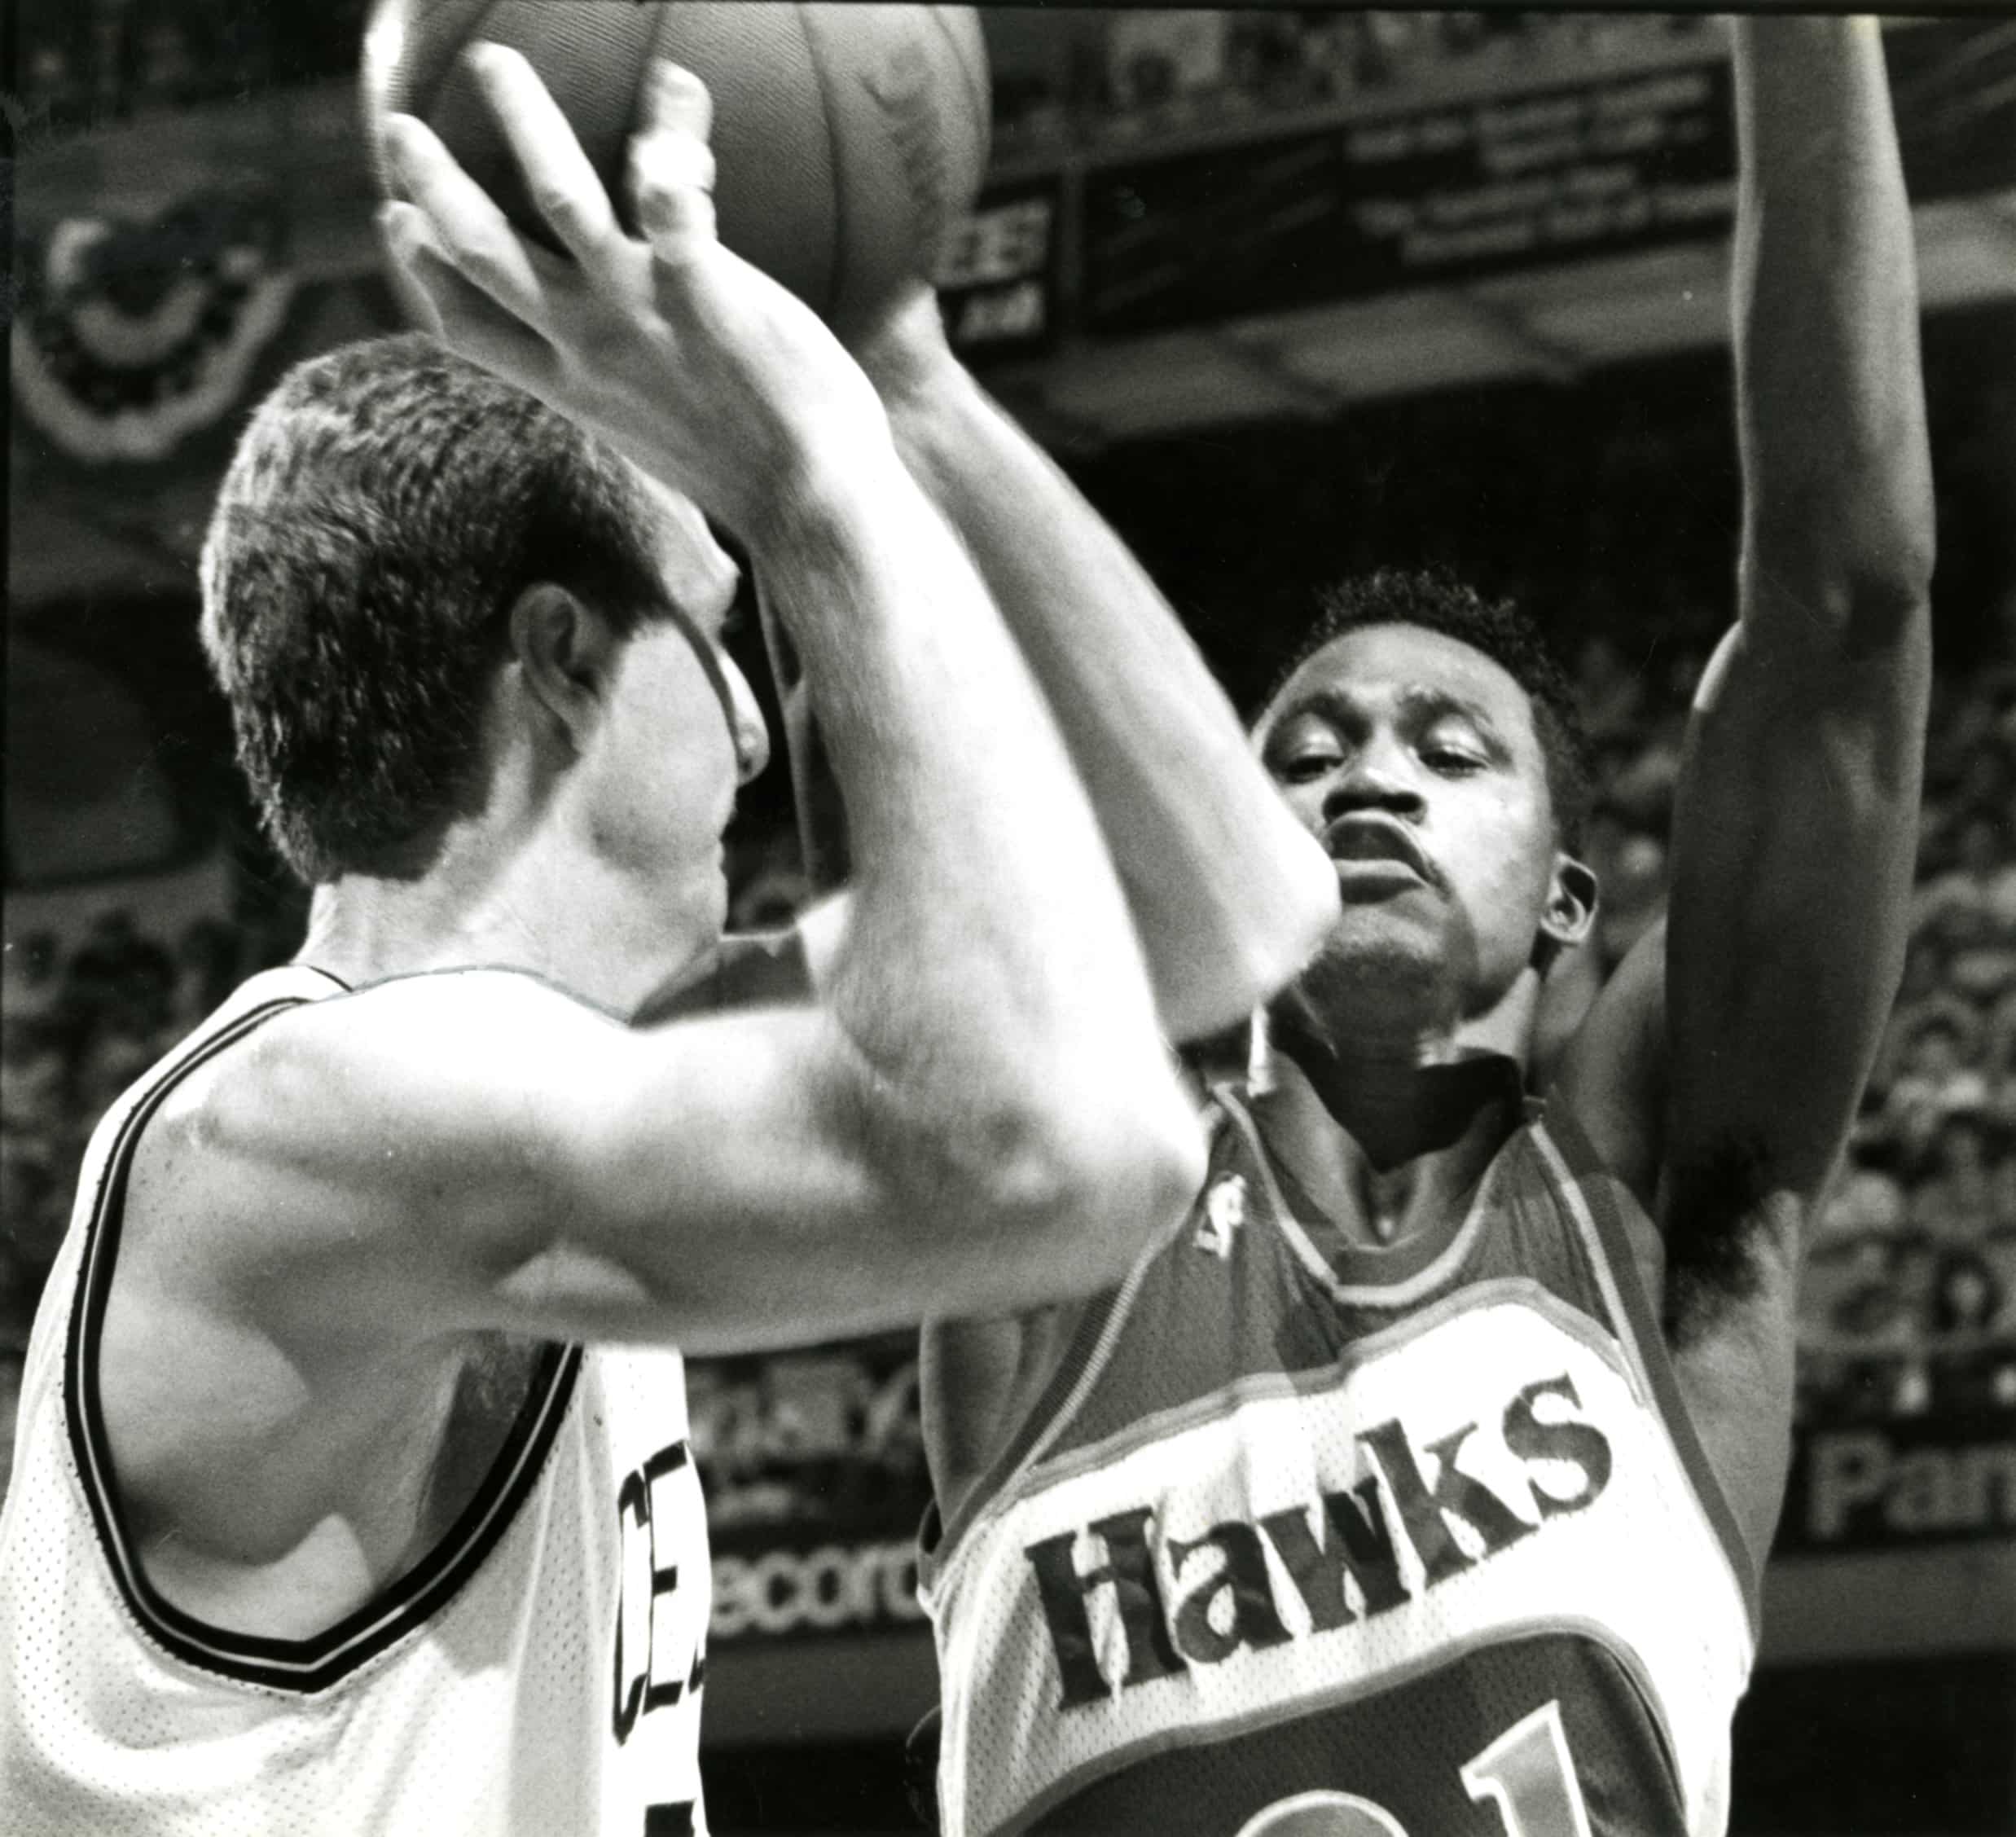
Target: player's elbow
{"points": [[1285, 910], [1082, 1182], [1300, 915], [1864, 561]]}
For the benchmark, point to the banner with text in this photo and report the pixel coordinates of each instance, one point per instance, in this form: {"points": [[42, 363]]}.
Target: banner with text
{"points": [[1600, 166], [1903, 1484]]}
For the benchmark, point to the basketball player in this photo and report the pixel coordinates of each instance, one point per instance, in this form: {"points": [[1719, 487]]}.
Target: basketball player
{"points": [[1421, 1484], [353, 1492]]}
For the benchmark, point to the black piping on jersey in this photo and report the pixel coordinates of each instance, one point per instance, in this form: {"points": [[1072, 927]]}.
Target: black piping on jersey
{"points": [[299, 1665], [1092, 1338], [1571, 1158], [1391, 1277], [1101, 1319]]}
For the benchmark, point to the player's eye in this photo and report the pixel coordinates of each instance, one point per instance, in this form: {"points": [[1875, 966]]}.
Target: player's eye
{"points": [[1300, 766]]}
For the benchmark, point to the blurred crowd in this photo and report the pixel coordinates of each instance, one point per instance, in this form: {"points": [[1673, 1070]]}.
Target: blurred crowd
{"points": [[1113, 75], [80, 1024], [1133, 75]]}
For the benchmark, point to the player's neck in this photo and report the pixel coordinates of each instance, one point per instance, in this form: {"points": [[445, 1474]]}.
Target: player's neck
{"points": [[478, 905], [1383, 1158], [1397, 1100]]}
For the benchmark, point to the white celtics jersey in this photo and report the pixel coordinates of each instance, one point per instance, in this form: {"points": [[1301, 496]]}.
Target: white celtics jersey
{"points": [[1307, 1538], [538, 1672]]}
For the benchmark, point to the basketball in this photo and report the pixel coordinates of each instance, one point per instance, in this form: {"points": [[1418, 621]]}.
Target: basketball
{"points": [[848, 138]]}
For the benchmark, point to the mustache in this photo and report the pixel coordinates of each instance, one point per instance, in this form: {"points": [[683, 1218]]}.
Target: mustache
{"points": [[1394, 839]]}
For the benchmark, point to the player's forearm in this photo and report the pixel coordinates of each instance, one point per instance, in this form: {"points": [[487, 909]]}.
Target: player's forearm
{"points": [[1229, 893], [989, 965], [1837, 471]]}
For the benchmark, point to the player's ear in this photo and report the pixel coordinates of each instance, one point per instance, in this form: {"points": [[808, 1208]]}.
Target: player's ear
{"points": [[1570, 910], [566, 653]]}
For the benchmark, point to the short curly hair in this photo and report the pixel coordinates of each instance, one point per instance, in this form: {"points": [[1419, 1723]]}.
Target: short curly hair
{"points": [[387, 504], [1434, 599]]}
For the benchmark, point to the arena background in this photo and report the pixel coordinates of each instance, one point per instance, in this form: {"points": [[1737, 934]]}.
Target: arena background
{"points": [[1289, 293]]}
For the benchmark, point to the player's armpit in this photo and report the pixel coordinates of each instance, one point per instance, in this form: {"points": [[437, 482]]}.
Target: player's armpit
{"points": [[476, 1149]]}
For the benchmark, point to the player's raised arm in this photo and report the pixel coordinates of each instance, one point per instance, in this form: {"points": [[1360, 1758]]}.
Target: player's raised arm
{"points": [[1231, 893], [979, 1107], [1795, 822]]}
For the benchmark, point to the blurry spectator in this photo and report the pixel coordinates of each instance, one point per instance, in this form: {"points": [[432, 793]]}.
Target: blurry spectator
{"points": [[1966, 1298], [1973, 1370], [1864, 1308], [1609, 694], [1973, 901], [113, 1058], [1934, 1077], [1390, 45], [119, 974], [1159, 62], [1629, 863], [36, 960], [1923, 1000], [1958, 1199], [34, 1076], [1863, 1203]]}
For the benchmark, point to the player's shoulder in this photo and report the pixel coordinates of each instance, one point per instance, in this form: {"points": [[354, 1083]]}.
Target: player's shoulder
{"points": [[427, 1052]]}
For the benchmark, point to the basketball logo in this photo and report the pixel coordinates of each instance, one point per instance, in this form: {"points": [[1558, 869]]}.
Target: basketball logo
{"points": [[1224, 1213]]}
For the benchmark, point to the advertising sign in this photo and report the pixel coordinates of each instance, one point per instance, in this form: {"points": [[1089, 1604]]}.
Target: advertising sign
{"points": [[813, 1467], [1439, 194], [1601, 165], [997, 276], [1901, 1483]]}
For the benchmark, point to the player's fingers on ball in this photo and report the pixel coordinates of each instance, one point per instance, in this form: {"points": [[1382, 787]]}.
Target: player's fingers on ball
{"points": [[468, 319], [466, 227], [672, 193], [676, 102], [559, 179], [403, 230]]}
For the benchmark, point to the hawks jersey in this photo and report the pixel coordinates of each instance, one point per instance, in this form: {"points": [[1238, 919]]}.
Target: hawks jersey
{"points": [[538, 1670], [1304, 1540]]}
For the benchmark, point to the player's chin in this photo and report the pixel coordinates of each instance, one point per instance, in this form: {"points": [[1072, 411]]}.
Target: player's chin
{"points": [[1375, 953]]}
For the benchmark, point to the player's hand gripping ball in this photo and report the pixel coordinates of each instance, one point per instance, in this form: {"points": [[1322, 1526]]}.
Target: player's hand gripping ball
{"points": [[848, 139]]}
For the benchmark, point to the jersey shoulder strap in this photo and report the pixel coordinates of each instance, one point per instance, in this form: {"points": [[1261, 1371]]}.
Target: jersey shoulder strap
{"points": [[1607, 1215]]}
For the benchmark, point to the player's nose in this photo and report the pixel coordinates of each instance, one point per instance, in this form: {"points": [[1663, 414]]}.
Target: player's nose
{"points": [[1375, 777]]}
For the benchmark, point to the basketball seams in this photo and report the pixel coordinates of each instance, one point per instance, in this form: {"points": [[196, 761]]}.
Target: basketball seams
{"points": [[836, 277], [979, 96], [458, 31], [894, 104]]}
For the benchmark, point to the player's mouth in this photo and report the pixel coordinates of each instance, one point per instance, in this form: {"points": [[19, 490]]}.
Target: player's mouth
{"points": [[1372, 850]]}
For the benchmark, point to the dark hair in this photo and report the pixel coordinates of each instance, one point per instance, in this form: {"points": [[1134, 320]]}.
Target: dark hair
{"points": [[1435, 601], [387, 503]]}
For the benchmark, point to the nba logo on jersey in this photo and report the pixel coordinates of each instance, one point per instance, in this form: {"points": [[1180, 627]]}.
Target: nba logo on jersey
{"points": [[1224, 1211]]}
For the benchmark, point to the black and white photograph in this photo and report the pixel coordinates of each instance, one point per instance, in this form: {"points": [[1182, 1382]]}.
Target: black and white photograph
{"points": [[1003, 920]]}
